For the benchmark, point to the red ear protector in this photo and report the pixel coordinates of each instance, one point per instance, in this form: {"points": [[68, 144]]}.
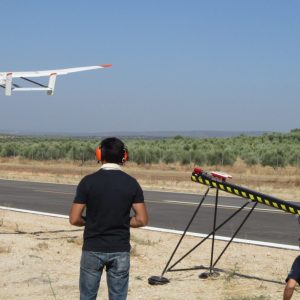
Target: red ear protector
{"points": [[98, 154], [126, 155]]}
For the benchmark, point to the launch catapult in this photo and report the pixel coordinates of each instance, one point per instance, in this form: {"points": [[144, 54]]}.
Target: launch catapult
{"points": [[218, 181]]}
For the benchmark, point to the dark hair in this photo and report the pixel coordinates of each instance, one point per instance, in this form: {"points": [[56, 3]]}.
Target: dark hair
{"points": [[112, 150]]}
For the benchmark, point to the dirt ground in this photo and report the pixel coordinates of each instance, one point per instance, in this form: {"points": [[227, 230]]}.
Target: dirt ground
{"points": [[39, 259]]}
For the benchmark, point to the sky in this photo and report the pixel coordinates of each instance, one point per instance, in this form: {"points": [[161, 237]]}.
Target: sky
{"points": [[177, 65]]}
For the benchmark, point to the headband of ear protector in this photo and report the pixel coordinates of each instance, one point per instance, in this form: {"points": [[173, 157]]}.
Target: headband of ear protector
{"points": [[98, 154]]}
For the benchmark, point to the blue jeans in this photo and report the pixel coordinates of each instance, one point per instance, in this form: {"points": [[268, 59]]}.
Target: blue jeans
{"points": [[117, 273]]}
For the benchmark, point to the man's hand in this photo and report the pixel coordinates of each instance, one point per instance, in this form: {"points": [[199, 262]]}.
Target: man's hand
{"points": [[75, 215], [140, 217]]}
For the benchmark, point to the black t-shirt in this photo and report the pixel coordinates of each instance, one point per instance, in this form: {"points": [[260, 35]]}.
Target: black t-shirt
{"points": [[108, 195], [295, 271]]}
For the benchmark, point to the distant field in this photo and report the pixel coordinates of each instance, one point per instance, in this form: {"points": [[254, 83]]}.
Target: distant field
{"points": [[275, 150]]}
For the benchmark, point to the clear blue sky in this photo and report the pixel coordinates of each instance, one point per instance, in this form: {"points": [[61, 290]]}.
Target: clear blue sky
{"points": [[177, 65]]}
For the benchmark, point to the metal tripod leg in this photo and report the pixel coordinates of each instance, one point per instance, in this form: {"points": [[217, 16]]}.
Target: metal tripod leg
{"points": [[208, 235], [212, 270], [213, 239], [154, 280], [234, 235], [211, 267]]}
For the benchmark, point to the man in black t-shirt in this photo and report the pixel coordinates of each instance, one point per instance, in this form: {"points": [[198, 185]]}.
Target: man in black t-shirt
{"points": [[292, 279], [108, 196]]}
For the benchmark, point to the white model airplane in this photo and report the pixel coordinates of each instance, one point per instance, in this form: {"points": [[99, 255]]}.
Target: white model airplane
{"points": [[6, 79]]}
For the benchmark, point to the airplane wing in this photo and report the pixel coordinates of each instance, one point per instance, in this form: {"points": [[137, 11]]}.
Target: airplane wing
{"points": [[6, 78]]}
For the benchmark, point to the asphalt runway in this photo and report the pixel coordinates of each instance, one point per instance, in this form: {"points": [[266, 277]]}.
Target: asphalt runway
{"points": [[166, 210]]}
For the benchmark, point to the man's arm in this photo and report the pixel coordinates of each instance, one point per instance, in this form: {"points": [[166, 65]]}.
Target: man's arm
{"points": [[75, 215], [289, 289], [140, 217]]}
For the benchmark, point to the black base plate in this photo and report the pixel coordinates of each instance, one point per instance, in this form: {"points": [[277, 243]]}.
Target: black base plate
{"points": [[206, 275], [158, 280]]}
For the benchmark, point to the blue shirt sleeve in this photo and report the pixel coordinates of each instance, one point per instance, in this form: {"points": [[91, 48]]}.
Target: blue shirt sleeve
{"points": [[295, 271], [81, 192], [139, 195]]}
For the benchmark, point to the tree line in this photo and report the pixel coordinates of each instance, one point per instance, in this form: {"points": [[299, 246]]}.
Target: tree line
{"points": [[273, 149]]}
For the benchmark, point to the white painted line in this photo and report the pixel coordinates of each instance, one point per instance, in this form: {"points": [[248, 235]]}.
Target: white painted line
{"points": [[275, 211], [34, 212], [224, 238], [217, 237]]}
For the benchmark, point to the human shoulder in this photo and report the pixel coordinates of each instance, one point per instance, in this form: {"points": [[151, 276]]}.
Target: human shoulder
{"points": [[89, 177], [296, 263], [129, 177], [295, 270]]}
